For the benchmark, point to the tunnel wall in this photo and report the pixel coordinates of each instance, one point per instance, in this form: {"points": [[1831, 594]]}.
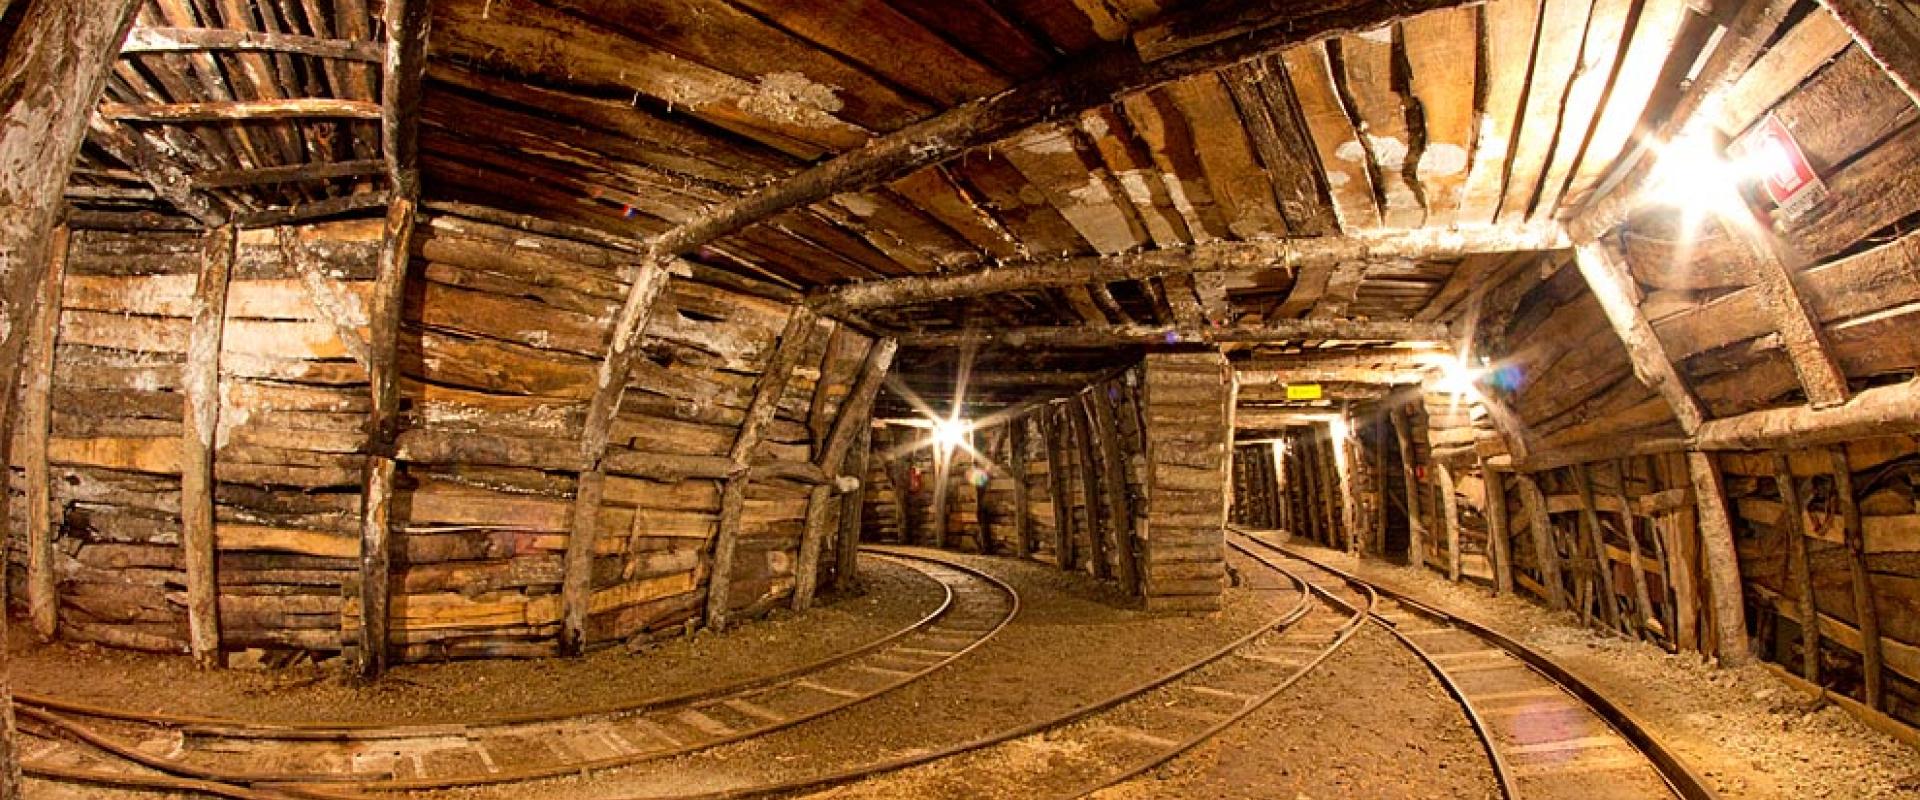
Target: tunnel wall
{"points": [[501, 333]]}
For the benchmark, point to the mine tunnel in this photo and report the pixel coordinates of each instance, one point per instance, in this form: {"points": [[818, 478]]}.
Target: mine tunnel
{"points": [[968, 399]]}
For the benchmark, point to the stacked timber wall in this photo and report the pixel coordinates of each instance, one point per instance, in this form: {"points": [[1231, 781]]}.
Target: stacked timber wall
{"points": [[1189, 399], [501, 332]]}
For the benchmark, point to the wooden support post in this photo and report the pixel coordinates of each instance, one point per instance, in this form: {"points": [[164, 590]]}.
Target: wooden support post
{"points": [[36, 414], [1864, 606], [1416, 531], [846, 551], [900, 475], [1379, 544], [1054, 432], [942, 491], [1801, 335], [767, 392], [982, 518], [1722, 562], [1499, 530], [1017, 468], [1603, 588], [1611, 283], [54, 62], [383, 376], [1662, 525], [1310, 471], [850, 424], [1545, 554], [1800, 566], [1451, 507], [201, 386], [1331, 488], [1097, 525], [1340, 450], [1642, 598], [1120, 515]]}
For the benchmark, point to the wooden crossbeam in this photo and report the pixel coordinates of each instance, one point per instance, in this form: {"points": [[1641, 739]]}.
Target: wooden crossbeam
{"points": [[1263, 377], [1223, 33], [408, 23], [261, 176], [36, 416], [1094, 336], [185, 40], [383, 423], [1215, 256], [242, 110], [319, 209]]}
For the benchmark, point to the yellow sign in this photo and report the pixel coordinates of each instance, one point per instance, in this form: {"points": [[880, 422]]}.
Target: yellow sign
{"points": [[1303, 391]]}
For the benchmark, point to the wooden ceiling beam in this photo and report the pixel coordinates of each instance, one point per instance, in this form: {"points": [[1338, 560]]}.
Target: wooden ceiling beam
{"points": [[242, 110], [1214, 35], [1745, 39], [1096, 336], [184, 40], [1268, 377], [1607, 277], [170, 182], [1217, 256], [261, 176]]}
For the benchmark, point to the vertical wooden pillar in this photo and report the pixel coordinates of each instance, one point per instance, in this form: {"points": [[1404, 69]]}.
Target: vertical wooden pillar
{"points": [[1310, 478], [1642, 598], [1119, 513], [1283, 503], [36, 414], [1054, 432], [846, 551], [1603, 585], [1499, 530], [1722, 562], [1379, 488], [1017, 469], [982, 516], [1097, 523], [201, 385], [849, 426], [1545, 554], [1800, 566], [1864, 609], [1416, 531], [1340, 450], [767, 392], [1450, 505], [383, 372], [942, 492]]}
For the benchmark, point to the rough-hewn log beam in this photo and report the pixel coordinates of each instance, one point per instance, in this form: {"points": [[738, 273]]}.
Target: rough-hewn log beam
{"points": [[1860, 578], [1872, 412], [624, 345], [1499, 530], [846, 551], [261, 176], [319, 209], [1607, 277], [242, 110], [201, 386], [1800, 565], [1113, 468], [186, 40], [1450, 509], [170, 182], [383, 424], [1054, 433], [1144, 335], [1721, 561], [408, 23], [1888, 33], [1642, 597], [1416, 529], [1255, 376], [1098, 525], [733, 496], [1744, 40], [1090, 80], [854, 416], [1546, 555], [1017, 469], [54, 62], [36, 414], [1263, 419], [1805, 342], [1603, 584], [1216, 256]]}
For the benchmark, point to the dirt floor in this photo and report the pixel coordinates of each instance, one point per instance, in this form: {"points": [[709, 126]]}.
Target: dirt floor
{"points": [[896, 597], [1748, 733]]}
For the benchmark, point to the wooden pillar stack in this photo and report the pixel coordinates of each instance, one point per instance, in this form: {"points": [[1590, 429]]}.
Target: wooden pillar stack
{"points": [[1189, 399]]}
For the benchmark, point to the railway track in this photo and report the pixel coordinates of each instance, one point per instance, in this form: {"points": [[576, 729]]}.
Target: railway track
{"points": [[1548, 734], [274, 760]]}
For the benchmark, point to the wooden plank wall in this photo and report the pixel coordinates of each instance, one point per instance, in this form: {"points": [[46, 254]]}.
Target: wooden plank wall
{"points": [[500, 334]]}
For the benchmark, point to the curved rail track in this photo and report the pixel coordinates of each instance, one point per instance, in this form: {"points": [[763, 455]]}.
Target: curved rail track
{"points": [[1548, 733], [252, 759]]}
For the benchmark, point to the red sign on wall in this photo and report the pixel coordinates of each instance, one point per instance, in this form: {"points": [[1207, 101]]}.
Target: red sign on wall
{"points": [[1771, 153]]}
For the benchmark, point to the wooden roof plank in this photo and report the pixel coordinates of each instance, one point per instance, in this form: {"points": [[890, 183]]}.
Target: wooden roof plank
{"points": [[1655, 35], [1556, 56], [1379, 111], [1051, 160], [1238, 182], [1132, 166], [1507, 44], [1443, 59], [1272, 114], [1349, 181], [1586, 92], [1170, 143]]}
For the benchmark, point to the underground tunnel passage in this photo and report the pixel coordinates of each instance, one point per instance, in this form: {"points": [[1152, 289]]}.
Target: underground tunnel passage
{"points": [[977, 399]]}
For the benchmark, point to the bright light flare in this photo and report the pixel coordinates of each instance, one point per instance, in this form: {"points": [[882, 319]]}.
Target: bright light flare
{"points": [[950, 433], [1458, 376]]}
